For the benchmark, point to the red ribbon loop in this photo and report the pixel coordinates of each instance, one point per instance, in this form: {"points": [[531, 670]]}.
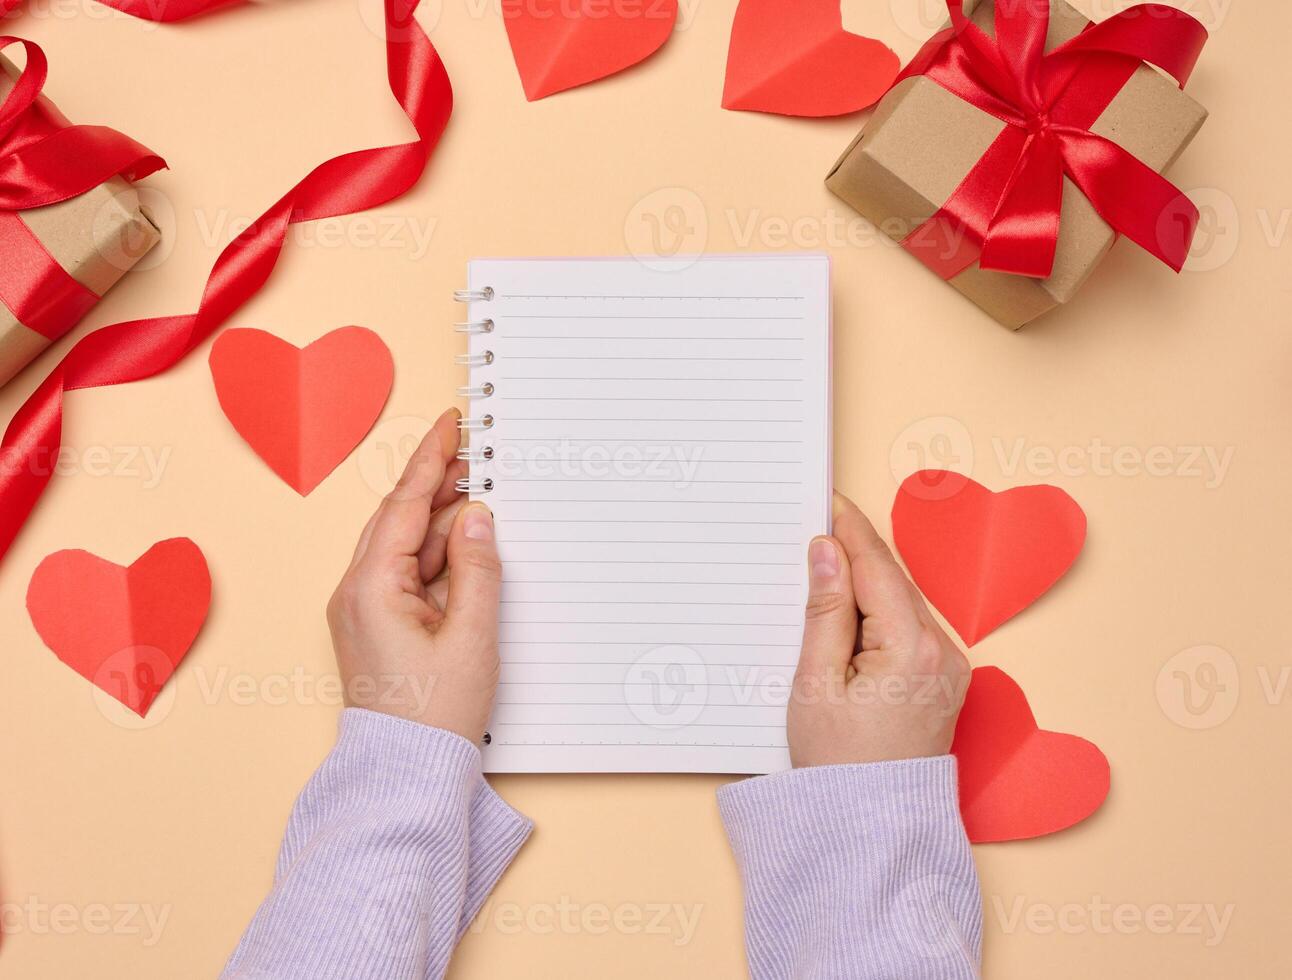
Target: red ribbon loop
{"points": [[1008, 207], [138, 349], [43, 159]]}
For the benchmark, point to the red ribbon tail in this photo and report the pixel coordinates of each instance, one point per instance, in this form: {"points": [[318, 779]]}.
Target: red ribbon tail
{"points": [[27, 459], [1132, 197], [126, 352], [1024, 232]]}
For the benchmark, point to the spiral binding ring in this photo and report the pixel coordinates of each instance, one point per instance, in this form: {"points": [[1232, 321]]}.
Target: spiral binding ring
{"points": [[473, 295], [482, 455], [471, 485], [474, 326], [476, 391], [476, 425], [473, 360]]}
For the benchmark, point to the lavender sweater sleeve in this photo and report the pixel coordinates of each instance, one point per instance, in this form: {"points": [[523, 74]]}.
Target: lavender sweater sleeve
{"points": [[391, 849], [853, 872], [859, 872]]}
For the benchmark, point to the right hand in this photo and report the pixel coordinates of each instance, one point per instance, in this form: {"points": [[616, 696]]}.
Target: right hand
{"points": [[878, 679]]}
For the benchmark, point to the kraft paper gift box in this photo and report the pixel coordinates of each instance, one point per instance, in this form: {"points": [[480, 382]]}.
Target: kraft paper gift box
{"points": [[96, 237], [922, 140]]}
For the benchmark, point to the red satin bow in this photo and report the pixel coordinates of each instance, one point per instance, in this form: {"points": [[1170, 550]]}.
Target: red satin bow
{"points": [[1005, 213], [138, 349], [44, 160]]}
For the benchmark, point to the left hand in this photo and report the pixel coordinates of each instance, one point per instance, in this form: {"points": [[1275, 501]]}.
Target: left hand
{"points": [[415, 619]]}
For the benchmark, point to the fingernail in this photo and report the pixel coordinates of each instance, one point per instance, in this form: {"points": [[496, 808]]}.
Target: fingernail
{"points": [[478, 523], [824, 559]]}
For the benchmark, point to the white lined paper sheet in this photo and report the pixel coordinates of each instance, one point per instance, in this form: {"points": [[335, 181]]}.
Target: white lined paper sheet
{"points": [[660, 459]]}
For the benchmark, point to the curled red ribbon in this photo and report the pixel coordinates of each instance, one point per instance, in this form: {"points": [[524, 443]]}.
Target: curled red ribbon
{"points": [[137, 349], [1005, 213], [43, 160]]}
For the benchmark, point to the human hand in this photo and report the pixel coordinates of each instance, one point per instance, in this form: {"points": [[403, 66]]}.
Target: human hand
{"points": [[888, 687], [415, 619]]}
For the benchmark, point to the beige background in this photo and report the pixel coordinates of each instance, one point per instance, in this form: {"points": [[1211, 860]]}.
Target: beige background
{"points": [[182, 816]]}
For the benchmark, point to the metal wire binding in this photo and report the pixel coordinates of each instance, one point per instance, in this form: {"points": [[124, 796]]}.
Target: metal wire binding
{"points": [[473, 295], [474, 326], [476, 425], [476, 391], [470, 485], [473, 360], [482, 455]]}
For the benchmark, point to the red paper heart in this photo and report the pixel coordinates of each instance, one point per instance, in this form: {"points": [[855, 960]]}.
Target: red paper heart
{"points": [[560, 44], [981, 557], [302, 411], [793, 57], [123, 629], [1017, 781]]}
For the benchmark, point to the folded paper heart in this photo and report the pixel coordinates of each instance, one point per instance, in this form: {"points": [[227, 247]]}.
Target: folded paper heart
{"points": [[302, 411], [1017, 781], [793, 57], [559, 44], [982, 557], [123, 629]]}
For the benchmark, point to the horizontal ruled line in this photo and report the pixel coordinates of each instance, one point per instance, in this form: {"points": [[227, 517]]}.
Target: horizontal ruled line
{"points": [[739, 544], [640, 745], [643, 398], [639, 316], [635, 643], [633, 479], [617, 663], [734, 442], [673, 503], [616, 357], [633, 296], [513, 377], [625, 724], [628, 622], [652, 602], [545, 418], [636, 581], [615, 561], [588, 336], [612, 520]]}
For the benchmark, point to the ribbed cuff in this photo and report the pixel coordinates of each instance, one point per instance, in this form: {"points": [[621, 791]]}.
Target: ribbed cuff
{"points": [[859, 871], [383, 756], [415, 756], [496, 833], [923, 788]]}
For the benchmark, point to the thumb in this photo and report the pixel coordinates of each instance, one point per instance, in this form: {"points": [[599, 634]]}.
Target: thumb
{"points": [[830, 627], [475, 578]]}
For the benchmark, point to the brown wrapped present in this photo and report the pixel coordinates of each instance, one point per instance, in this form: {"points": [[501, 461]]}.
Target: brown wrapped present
{"points": [[922, 142], [56, 261]]}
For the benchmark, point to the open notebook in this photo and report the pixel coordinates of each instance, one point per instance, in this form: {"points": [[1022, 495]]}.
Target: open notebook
{"points": [[654, 442]]}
